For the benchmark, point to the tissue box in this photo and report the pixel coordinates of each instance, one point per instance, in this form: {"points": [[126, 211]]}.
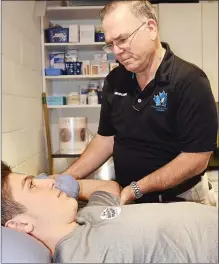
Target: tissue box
{"points": [[53, 72], [56, 100], [87, 33]]}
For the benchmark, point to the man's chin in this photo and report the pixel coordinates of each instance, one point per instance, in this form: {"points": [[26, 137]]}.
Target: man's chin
{"points": [[130, 67]]}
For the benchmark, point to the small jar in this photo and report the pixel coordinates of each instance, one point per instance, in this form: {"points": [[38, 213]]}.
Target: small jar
{"points": [[92, 96], [73, 98]]}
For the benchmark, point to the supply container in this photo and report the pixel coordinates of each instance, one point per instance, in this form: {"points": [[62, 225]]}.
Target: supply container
{"points": [[83, 95], [57, 35], [73, 98], [72, 134], [92, 93]]}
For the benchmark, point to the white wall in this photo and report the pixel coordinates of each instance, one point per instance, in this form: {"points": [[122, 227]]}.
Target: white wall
{"points": [[22, 123], [194, 36]]}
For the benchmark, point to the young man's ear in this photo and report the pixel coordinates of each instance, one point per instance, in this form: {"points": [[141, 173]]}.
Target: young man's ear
{"points": [[21, 223]]}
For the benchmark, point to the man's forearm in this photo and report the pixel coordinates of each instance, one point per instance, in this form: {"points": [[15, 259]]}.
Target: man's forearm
{"points": [[183, 167], [98, 151], [87, 187]]}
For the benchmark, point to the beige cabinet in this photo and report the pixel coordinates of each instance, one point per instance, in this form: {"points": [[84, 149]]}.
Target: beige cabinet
{"points": [[180, 26], [210, 43]]}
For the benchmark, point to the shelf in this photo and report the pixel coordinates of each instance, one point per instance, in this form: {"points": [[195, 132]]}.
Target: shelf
{"points": [[74, 106], [73, 12], [81, 46], [76, 77], [61, 155]]}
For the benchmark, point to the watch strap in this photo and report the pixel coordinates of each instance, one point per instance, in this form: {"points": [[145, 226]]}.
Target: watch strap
{"points": [[136, 190]]}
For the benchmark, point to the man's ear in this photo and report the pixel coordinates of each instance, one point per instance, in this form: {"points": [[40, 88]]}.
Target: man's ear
{"points": [[22, 223]]}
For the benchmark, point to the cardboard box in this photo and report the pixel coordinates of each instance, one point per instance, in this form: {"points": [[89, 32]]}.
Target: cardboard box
{"points": [[87, 33], [73, 33], [86, 67], [113, 65], [100, 56]]}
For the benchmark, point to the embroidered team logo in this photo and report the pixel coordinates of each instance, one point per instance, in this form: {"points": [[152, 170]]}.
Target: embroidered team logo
{"points": [[120, 94], [160, 101], [110, 213]]}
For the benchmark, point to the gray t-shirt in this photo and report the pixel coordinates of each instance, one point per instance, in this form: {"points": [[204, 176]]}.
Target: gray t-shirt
{"points": [[182, 232]]}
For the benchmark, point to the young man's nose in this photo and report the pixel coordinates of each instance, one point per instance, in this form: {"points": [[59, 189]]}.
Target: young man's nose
{"points": [[46, 183]]}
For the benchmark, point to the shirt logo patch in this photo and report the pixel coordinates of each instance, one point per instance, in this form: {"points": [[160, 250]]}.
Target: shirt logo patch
{"points": [[160, 102], [120, 94], [110, 213]]}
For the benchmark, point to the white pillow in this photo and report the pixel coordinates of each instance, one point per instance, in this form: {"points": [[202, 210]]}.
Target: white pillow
{"points": [[19, 247]]}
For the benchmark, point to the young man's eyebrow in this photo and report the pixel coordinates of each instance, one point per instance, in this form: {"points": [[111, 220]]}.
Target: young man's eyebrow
{"points": [[29, 177]]}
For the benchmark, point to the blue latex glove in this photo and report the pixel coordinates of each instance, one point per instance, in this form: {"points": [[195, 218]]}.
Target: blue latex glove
{"points": [[64, 183]]}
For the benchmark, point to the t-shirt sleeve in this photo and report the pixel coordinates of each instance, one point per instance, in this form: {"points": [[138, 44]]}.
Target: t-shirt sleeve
{"points": [[196, 118], [105, 125], [102, 198]]}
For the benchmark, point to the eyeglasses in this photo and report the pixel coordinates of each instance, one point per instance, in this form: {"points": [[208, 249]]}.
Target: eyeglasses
{"points": [[121, 42]]}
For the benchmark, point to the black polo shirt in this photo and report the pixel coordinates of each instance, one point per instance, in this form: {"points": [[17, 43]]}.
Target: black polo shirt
{"points": [[175, 113]]}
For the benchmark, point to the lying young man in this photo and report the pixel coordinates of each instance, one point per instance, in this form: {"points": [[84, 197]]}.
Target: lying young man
{"points": [[104, 231]]}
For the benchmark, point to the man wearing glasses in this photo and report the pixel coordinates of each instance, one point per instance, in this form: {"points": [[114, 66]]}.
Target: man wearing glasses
{"points": [[158, 116]]}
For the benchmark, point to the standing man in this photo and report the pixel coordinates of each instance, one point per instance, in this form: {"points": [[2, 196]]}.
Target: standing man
{"points": [[158, 116]]}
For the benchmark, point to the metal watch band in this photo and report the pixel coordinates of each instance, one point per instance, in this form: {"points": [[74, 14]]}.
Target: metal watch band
{"points": [[136, 190]]}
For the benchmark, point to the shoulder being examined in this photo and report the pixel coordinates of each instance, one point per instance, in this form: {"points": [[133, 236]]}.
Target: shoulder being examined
{"points": [[184, 71]]}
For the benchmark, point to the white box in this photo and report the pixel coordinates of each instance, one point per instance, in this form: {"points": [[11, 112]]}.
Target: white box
{"points": [[86, 67], [87, 33], [113, 65], [104, 67], [73, 33], [100, 57]]}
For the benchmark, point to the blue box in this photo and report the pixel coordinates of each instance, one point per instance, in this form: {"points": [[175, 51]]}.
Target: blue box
{"points": [[73, 68], [53, 72], [99, 37], [57, 60], [57, 35], [56, 100]]}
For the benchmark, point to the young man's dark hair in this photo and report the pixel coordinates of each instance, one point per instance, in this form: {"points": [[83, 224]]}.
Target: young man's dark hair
{"points": [[9, 208]]}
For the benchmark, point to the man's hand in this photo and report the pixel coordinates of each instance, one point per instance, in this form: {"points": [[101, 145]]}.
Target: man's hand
{"points": [[127, 195], [53, 176]]}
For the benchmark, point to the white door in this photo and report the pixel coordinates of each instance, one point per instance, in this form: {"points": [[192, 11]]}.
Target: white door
{"points": [[210, 44], [180, 26]]}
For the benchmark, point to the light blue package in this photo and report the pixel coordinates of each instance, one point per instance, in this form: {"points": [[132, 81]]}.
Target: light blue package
{"points": [[57, 60], [65, 183]]}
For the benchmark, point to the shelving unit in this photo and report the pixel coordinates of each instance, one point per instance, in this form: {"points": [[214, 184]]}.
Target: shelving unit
{"points": [[72, 106], [65, 83], [75, 77], [76, 12], [81, 46]]}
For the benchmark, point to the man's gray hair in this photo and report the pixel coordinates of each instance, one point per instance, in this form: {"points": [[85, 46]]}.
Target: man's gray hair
{"points": [[140, 9]]}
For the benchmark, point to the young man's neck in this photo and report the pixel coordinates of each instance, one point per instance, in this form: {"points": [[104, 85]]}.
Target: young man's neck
{"points": [[51, 236], [154, 62]]}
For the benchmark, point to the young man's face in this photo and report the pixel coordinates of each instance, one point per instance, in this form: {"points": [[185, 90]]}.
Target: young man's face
{"points": [[43, 201]]}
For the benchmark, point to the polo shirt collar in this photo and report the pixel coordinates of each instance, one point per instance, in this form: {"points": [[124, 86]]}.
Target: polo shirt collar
{"points": [[164, 72]]}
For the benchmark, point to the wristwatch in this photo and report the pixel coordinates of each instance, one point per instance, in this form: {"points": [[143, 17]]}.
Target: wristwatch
{"points": [[136, 190]]}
